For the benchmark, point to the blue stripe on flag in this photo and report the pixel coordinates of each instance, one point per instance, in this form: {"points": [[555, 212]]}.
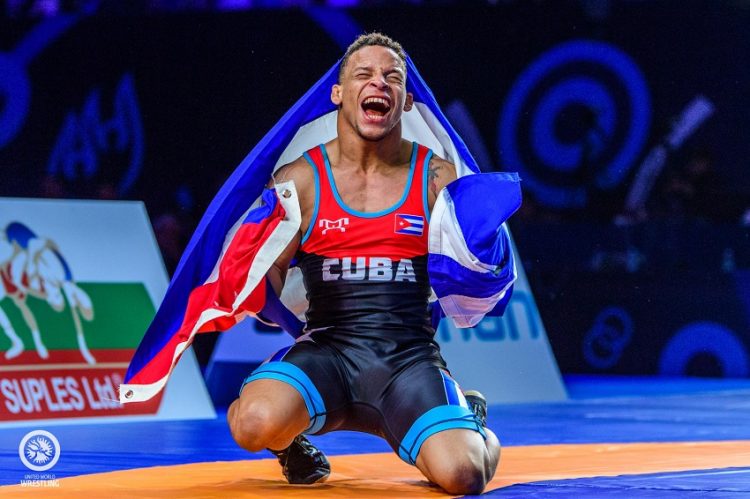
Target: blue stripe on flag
{"points": [[482, 204], [264, 210], [413, 219], [448, 277], [422, 93]]}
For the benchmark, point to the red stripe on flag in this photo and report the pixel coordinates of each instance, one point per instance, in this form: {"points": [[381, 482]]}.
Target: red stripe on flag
{"points": [[219, 294]]}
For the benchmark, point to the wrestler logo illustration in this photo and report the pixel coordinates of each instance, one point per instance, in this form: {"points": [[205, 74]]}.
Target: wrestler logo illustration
{"points": [[339, 224], [34, 266]]}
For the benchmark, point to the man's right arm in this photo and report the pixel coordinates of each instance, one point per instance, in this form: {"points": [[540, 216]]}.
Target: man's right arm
{"points": [[300, 172]]}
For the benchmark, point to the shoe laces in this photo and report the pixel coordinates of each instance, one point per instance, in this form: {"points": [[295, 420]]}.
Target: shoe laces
{"points": [[478, 406]]}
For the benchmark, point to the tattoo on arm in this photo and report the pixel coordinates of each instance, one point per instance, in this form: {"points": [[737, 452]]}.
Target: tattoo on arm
{"points": [[432, 175]]}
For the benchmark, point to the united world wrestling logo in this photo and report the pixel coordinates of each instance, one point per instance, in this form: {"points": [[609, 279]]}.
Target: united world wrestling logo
{"points": [[575, 120], [339, 224], [39, 450], [34, 266]]}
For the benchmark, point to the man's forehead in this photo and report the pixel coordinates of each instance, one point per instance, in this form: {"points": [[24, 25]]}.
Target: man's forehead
{"points": [[376, 55]]}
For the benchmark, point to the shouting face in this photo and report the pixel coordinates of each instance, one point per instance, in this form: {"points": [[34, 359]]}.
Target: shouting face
{"points": [[372, 92]]}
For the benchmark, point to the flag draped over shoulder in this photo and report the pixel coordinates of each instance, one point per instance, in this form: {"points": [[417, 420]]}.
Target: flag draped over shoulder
{"points": [[220, 278]]}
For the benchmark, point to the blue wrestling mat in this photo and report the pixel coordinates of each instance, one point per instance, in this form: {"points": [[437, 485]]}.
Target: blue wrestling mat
{"points": [[601, 410]]}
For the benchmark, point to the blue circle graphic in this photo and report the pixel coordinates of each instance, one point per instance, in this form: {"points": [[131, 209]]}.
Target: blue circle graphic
{"points": [[605, 342], [567, 156], [704, 337], [559, 88]]}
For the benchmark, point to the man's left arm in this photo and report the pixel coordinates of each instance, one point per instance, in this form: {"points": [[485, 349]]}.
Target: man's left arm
{"points": [[439, 174]]}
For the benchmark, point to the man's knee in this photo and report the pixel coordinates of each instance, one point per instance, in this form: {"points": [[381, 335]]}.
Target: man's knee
{"points": [[458, 461], [461, 476], [252, 425]]}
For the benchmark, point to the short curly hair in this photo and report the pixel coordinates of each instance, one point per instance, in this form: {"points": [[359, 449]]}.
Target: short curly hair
{"points": [[370, 39]]}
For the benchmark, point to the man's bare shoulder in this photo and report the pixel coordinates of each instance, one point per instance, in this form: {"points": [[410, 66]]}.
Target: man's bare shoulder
{"points": [[440, 173], [299, 170]]}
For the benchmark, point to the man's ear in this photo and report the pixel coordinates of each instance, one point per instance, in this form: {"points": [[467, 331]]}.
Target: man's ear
{"points": [[336, 94], [409, 101]]}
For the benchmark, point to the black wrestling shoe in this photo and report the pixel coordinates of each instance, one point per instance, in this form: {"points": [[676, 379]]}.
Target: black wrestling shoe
{"points": [[478, 406], [302, 462]]}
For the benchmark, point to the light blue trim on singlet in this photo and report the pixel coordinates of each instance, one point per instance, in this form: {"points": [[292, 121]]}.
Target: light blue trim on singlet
{"points": [[425, 186], [437, 419], [314, 218], [363, 214], [296, 378]]}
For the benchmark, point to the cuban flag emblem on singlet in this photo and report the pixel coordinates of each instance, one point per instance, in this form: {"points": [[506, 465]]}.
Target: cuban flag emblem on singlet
{"points": [[412, 225]]}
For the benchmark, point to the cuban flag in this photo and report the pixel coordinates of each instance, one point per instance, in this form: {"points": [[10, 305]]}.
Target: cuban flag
{"points": [[411, 225], [221, 276]]}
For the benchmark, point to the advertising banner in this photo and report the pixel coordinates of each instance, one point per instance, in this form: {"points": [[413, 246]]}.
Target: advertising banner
{"points": [[79, 284]]}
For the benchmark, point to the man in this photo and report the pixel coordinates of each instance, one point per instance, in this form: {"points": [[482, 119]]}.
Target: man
{"points": [[368, 360]]}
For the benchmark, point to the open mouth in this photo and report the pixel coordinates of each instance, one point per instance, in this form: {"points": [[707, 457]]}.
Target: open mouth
{"points": [[375, 107]]}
